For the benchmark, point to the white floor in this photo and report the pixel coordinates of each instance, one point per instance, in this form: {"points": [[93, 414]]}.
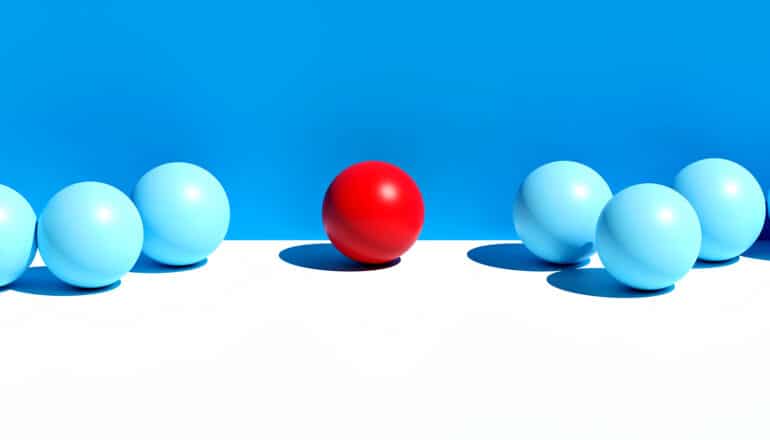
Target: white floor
{"points": [[250, 346]]}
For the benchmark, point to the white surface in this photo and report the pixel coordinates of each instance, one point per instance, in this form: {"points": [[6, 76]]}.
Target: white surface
{"points": [[250, 347]]}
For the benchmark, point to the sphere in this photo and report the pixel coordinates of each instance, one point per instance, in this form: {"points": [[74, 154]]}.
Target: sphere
{"points": [[373, 212], [648, 236], [17, 235], [556, 211], [90, 234], [185, 211], [730, 204]]}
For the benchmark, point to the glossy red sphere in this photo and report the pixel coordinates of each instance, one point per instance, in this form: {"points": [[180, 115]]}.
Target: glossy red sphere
{"points": [[373, 212]]}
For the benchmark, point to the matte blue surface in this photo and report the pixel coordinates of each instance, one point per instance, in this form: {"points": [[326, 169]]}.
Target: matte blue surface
{"points": [[648, 236], [276, 98], [90, 234], [556, 211], [17, 235], [185, 213], [730, 205]]}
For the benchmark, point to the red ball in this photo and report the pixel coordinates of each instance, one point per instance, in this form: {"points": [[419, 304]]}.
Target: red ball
{"points": [[373, 212]]}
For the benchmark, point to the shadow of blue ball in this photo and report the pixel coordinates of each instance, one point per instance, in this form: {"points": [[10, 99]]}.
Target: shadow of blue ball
{"points": [[515, 256], [40, 281], [598, 282], [702, 264], [759, 251], [147, 265]]}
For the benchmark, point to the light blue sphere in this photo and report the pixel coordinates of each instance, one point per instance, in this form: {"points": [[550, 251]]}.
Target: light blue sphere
{"points": [[556, 211], [90, 234], [648, 236], [17, 235], [185, 211], [730, 204]]}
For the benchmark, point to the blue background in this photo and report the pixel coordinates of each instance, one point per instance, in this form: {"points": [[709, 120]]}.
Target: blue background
{"points": [[275, 98]]}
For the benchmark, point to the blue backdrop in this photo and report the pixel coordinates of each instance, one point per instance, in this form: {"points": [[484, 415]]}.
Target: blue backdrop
{"points": [[277, 97]]}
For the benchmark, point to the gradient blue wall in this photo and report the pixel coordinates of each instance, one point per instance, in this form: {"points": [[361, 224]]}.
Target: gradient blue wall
{"points": [[277, 97]]}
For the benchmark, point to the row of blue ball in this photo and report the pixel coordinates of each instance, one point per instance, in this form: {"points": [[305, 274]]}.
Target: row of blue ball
{"points": [[90, 234], [648, 236]]}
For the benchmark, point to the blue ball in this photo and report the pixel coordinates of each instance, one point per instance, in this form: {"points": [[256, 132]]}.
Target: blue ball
{"points": [[556, 211], [185, 211], [730, 204], [17, 235], [648, 236], [90, 234]]}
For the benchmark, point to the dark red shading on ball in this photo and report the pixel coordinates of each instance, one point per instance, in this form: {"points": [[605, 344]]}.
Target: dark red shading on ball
{"points": [[373, 212]]}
